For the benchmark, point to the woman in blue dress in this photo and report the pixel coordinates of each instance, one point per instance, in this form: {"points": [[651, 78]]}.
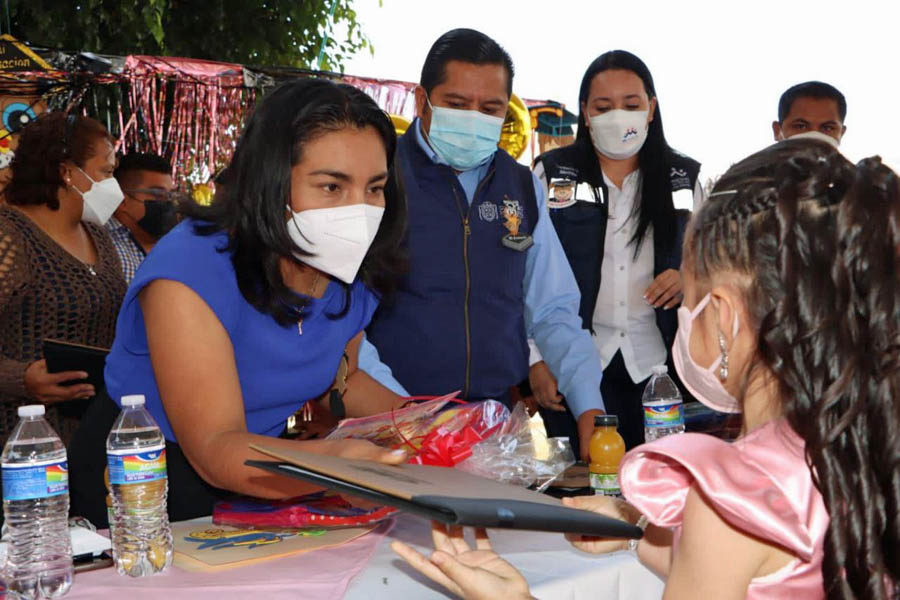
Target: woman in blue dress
{"points": [[247, 310]]}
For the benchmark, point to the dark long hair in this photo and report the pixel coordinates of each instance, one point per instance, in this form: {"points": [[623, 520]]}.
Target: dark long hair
{"points": [[250, 206], [656, 207], [816, 241]]}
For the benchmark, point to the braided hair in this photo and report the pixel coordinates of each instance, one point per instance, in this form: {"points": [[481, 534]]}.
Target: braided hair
{"points": [[814, 242]]}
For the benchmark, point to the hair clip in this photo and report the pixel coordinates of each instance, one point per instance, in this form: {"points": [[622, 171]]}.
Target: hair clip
{"points": [[723, 192]]}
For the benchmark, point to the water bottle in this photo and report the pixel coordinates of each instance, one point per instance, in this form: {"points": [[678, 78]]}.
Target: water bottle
{"points": [[136, 456], [36, 508], [663, 411]]}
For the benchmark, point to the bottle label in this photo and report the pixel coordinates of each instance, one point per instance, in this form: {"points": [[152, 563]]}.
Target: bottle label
{"points": [[128, 466], [35, 480], [664, 415], [605, 484]]}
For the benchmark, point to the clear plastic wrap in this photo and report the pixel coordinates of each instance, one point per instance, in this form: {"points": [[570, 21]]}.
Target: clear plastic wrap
{"points": [[520, 454], [483, 438]]}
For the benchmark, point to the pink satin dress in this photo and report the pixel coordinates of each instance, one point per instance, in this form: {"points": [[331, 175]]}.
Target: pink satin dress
{"points": [[759, 484]]}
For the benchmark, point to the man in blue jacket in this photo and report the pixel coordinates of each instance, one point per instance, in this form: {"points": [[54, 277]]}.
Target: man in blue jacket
{"points": [[486, 267]]}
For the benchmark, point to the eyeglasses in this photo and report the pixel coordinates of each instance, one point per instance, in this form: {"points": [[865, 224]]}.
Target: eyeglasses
{"points": [[158, 194]]}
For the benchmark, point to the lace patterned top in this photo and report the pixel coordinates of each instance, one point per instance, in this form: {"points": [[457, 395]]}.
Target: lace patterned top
{"points": [[47, 293]]}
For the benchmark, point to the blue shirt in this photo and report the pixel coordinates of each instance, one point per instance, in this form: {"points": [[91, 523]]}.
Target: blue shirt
{"points": [[370, 362], [130, 252], [279, 369], [552, 300]]}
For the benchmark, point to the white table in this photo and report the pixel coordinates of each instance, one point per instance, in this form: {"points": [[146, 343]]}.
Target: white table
{"points": [[551, 565]]}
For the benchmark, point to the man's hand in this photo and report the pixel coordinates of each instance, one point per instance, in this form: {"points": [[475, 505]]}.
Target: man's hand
{"points": [[543, 386], [585, 429], [46, 387], [665, 290]]}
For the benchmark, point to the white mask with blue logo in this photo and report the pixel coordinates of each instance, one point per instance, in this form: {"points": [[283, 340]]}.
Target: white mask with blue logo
{"points": [[464, 139], [619, 134]]}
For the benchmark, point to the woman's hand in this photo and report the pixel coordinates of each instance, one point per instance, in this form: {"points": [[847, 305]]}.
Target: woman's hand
{"points": [[665, 291], [543, 386], [45, 387], [472, 574], [604, 505]]}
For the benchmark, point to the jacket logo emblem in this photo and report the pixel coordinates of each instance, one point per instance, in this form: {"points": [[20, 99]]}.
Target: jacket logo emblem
{"points": [[562, 193], [679, 179], [512, 215], [487, 211]]}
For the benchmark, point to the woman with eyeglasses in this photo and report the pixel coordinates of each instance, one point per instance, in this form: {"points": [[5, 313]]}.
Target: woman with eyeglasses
{"points": [[60, 277]]}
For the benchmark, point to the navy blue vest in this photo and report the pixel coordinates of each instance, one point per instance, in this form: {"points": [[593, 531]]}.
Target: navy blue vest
{"points": [[581, 226], [457, 321]]}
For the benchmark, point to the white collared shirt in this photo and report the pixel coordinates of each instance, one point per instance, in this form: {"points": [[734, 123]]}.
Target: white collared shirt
{"points": [[623, 320]]}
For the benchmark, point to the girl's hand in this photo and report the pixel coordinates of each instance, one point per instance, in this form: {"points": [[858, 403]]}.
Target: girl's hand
{"points": [[365, 450], [610, 507], [473, 574]]}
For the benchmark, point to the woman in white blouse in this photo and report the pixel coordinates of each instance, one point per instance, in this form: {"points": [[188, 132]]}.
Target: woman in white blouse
{"points": [[612, 198]]}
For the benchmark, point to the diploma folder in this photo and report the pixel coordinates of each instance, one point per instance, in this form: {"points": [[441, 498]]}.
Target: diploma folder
{"points": [[442, 494], [67, 356]]}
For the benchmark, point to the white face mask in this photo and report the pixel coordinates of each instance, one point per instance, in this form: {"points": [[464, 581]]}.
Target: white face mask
{"points": [[814, 135], [619, 134], [337, 238], [101, 201]]}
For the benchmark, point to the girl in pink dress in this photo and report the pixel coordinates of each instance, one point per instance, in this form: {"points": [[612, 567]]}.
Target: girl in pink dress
{"points": [[791, 315]]}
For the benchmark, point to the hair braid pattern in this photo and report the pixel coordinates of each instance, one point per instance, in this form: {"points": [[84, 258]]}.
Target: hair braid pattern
{"points": [[817, 242]]}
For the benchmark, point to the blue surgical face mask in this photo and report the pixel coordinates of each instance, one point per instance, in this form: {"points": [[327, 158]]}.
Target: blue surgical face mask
{"points": [[465, 139]]}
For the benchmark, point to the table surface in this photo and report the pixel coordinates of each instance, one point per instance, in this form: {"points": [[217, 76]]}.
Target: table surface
{"points": [[552, 567]]}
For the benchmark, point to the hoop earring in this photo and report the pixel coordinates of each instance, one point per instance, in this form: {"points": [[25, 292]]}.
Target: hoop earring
{"points": [[723, 365]]}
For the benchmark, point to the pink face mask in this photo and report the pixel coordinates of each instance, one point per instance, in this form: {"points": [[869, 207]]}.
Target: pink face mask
{"points": [[704, 384]]}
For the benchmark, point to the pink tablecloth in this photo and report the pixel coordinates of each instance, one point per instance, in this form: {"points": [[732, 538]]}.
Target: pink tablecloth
{"points": [[318, 575]]}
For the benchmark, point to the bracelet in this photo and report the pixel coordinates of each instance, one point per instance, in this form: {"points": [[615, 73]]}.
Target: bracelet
{"points": [[642, 524]]}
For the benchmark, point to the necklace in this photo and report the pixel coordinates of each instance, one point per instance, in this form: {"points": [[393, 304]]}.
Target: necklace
{"points": [[312, 291]]}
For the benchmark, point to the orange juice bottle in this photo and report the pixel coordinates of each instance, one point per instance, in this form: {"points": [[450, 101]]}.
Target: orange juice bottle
{"points": [[606, 449]]}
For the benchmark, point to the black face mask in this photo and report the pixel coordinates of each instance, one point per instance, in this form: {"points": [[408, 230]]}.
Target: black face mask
{"points": [[159, 217]]}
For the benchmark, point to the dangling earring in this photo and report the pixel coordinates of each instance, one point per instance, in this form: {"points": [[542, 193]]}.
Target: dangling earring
{"points": [[723, 365]]}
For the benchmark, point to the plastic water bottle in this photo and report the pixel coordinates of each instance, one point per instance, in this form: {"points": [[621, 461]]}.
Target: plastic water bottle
{"points": [[36, 508], [136, 456], [663, 410]]}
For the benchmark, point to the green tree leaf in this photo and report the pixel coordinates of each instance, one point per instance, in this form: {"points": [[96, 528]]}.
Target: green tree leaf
{"points": [[255, 32]]}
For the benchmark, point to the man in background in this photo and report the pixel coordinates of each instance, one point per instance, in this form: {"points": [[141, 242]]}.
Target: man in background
{"points": [[148, 211], [486, 266], [813, 109]]}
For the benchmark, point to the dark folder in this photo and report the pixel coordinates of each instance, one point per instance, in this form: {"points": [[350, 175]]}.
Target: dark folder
{"points": [[67, 356], [447, 495]]}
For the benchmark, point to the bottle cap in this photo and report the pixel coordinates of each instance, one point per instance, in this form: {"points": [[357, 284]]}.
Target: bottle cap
{"points": [[135, 400], [659, 370], [31, 410], [606, 421]]}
